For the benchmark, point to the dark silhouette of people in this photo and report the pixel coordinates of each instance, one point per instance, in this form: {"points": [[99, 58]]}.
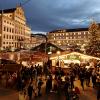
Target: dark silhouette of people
{"points": [[30, 91], [72, 78], [40, 82], [88, 75], [98, 89], [48, 84], [82, 79], [94, 77]]}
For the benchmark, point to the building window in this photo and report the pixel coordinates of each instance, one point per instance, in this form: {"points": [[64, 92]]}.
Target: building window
{"points": [[79, 33], [66, 37], [5, 21], [10, 37], [7, 36], [4, 28], [56, 34], [66, 33], [7, 29], [10, 29], [4, 36], [10, 15]]}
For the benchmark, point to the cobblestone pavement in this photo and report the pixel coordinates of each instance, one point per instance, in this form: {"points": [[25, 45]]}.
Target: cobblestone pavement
{"points": [[8, 94], [88, 94]]}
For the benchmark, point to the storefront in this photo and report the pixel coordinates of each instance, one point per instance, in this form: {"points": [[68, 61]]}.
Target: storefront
{"points": [[64, 59]]}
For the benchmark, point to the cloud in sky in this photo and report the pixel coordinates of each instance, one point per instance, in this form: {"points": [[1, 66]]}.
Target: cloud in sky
{"points": [[48, 15]]}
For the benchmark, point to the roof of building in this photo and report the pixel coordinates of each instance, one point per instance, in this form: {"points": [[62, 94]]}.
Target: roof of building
{"points": [[42, 48], [69, 30], [77, 29], [8, 10]]}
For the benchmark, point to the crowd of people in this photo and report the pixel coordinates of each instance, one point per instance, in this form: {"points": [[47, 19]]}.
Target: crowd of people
{"points": [[29, 81]]}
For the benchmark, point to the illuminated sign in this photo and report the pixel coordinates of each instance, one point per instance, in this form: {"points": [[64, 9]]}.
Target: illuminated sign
{"points": [[73, 57]]}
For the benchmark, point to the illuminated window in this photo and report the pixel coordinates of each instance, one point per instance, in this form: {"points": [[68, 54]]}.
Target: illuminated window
{"points": [[66, 33], [66, 37], [56, 34], [79, 33]]}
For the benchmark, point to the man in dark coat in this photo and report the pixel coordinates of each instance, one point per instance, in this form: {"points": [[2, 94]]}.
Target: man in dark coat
{"points": [[40, 82], [98, 89], [30, 91], [48, 85]]}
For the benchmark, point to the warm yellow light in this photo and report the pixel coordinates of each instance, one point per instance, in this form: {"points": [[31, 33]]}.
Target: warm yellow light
{"points": [[58, 52], [11, 56], [12, 49], [49, 53]]}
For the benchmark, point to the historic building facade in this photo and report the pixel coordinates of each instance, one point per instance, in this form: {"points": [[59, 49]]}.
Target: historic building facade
{"points": [[69, 36], [14, 31], [36, 40]]}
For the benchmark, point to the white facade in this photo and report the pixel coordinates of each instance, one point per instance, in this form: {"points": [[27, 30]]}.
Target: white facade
{"points": [[14, 31]]}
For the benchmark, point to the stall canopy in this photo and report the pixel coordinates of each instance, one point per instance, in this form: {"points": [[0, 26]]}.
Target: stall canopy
{"points": [[9, 65], [73, 56]]}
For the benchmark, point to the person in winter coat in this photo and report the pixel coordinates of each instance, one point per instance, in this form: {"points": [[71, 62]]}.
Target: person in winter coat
{"points": [[30, 91], [98, 89], [40, 83], [94, 77]]}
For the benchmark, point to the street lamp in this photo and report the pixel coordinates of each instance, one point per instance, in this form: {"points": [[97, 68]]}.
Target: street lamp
{"points": [[58, 53], [49, 53]]}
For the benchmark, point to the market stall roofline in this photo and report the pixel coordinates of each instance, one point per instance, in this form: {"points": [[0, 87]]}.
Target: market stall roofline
{"points": [[63, 55]]}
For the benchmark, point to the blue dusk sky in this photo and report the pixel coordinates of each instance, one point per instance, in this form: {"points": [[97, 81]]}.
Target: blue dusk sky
{"points": [[48, 15]]}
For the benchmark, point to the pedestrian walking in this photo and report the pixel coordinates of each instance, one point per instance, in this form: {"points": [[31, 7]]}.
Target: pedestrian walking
{"points": [[98, 89], [66, 88], [30, 91], [82, 80], [72, 78], [40, 82], [94, 77]]}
